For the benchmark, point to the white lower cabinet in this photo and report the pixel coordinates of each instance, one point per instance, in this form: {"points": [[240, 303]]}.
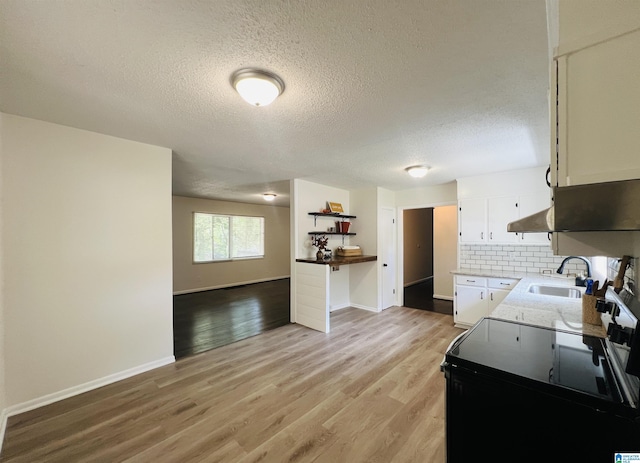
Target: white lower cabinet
{"points": [[476, 297]]}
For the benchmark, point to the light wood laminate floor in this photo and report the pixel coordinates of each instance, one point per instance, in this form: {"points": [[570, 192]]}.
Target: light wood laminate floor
{"points": [[370, 391]]}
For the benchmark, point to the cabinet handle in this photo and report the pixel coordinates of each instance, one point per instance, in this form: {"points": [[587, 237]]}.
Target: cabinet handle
{"points": [[547, 176], [481, 235], [481, 294], [490, 235], [471, 281], [492, 296], [505, 284]]}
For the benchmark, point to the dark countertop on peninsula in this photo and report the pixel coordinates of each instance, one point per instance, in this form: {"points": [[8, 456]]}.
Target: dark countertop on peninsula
{"points": [[336, 261]]}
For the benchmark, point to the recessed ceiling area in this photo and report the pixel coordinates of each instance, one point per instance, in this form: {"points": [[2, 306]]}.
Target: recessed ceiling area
{"points": [[371, 87]]}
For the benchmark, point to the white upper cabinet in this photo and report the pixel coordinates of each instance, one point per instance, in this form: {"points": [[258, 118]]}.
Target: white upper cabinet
{"points": [[487, 204], [598, 104], [530, 204], [472, 220], [501, 211]]}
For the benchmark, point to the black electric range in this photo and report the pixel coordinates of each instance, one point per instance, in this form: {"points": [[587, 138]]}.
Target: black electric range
{"points": [[530, 393]]}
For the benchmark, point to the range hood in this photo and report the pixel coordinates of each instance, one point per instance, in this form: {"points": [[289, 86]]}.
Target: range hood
{"points": [[609, 206]]}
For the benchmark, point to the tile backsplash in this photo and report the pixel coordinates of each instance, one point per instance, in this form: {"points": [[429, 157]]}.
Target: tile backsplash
{"points": [[512, 258], [613, 264]]}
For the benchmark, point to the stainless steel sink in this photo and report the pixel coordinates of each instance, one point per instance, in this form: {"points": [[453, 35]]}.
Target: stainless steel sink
{"points": [[558, 291]]}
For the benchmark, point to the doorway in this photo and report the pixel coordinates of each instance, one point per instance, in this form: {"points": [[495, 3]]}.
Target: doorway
{"points": [[429, 253]]}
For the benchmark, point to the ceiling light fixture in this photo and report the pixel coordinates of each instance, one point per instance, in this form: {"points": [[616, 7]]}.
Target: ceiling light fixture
{"points": [[258, 88], [269, 196], [417, 171]]}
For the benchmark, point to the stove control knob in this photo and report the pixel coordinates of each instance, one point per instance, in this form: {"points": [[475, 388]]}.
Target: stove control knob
{"points": [[619, 334]]}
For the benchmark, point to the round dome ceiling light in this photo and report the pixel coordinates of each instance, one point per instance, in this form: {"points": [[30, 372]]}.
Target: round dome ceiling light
{"points": [[417, 171], [268, 196], [256, 87]]}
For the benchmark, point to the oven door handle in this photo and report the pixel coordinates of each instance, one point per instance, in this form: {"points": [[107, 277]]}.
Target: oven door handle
{"points": [[443, 364]]}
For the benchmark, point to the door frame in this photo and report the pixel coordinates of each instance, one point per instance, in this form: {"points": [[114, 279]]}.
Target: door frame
{"points": [[400, 241]]}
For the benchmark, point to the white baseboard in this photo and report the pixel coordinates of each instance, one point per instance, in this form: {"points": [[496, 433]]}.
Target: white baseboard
{"points": [[355, 306], [333, 308], [3, 426], [440, 296], [229, 285], [365, 307], [81, 388]]}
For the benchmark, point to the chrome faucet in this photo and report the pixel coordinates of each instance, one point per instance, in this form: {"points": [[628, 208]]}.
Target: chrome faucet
{"points": [[579, 281]]}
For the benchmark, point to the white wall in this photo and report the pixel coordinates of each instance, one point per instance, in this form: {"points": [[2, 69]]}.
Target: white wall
{"points": [[363, 278], [312, 197], [87, 259], [427, 196], [189, 277], [516, 182], [445, 250]]}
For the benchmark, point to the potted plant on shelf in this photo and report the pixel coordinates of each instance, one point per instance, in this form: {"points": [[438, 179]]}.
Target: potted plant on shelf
{"points": [[320, 241]]}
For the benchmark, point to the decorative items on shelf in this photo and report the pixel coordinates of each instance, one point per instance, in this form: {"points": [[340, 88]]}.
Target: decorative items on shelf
{"points": [[343, 227], [320, 241], [335, 207]]}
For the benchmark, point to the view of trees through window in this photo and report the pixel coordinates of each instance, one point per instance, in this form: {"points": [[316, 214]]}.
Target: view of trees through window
{"points": [[224, 237]]}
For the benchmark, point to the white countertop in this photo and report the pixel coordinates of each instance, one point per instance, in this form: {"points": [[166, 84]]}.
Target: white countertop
{"points": [[520, 305]]}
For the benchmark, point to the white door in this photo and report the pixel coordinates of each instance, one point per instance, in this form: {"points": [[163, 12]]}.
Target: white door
{"points": [[388, 257]]}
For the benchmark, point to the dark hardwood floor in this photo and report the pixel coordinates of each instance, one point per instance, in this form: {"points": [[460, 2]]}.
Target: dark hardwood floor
{"points": [[209, 319], [420, 296]]}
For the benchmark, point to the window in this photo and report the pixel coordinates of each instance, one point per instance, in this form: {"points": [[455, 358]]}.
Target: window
{"points": [[226, 237]]}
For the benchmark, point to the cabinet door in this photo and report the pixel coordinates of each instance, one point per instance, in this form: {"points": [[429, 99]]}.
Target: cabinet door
{"points": [[472, 220], [530, 204], [599, 112], [471, 304], [496, 296], [501, 211]]}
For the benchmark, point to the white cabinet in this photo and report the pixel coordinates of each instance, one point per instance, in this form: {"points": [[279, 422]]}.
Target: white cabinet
{"points": [[496, 296], [527, 205], [470, 300], [476, 297], [598, 105], [485, 220], [472, 220], [501, 211]]}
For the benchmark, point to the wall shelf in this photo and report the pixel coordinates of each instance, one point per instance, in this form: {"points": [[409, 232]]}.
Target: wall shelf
{"points": [[330, 233], [333, 215]]}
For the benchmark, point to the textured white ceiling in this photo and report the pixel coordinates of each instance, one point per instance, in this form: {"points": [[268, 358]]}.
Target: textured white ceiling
{"points": [[371, 86]]}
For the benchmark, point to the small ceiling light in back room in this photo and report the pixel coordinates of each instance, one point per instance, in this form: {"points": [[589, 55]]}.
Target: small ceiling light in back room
{"points": [[417, 171], [256, 87], [269, 196]]}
